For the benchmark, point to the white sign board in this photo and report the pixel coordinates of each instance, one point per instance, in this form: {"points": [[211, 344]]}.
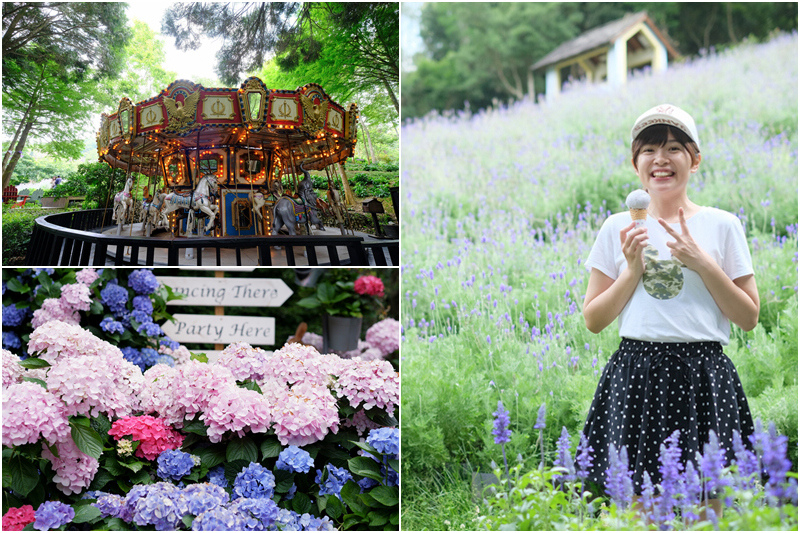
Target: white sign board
{"points": [[240, 292], [218, 329]]}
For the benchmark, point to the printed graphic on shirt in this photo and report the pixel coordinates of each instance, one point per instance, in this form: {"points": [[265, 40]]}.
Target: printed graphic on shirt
{"points": [[663, 279]]}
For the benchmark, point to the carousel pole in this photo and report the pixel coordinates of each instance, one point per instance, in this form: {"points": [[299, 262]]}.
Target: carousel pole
{"points": [[110, 188]]}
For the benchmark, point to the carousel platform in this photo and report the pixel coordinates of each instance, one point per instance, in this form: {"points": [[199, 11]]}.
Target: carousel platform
{"points": [[248, 256]]}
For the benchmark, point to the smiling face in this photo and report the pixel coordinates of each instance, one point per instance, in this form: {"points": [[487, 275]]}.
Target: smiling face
{"points": [[663, 158]]}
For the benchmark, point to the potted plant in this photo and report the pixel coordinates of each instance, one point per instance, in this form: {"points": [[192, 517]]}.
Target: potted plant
{"points": [[342, 304]]}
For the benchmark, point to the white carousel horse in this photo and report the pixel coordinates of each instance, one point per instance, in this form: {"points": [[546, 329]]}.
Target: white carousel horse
{"points": [[200, 200], [154, 215], [123, 201]]}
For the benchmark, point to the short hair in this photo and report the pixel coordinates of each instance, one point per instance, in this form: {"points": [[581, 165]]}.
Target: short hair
{"points": [[658, 134]]}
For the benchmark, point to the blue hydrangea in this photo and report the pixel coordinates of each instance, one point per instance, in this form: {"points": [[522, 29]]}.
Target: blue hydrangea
{"points": [[150, 329], [367, 483], [141, 317], [143, 281], [134, 356], [217, 519], [143, 304], [334, 481], [203, 496], [14, 316], [11, 340], [291, 493], [309, 522], [385, 440], [257, 514], [254, 481], [114, 297], [163, 506], [217, 476], [174, 464], [50, 271], [171, 344], [109, 505], [53, 515], [295, 459], [110, 325], [4, 288]]}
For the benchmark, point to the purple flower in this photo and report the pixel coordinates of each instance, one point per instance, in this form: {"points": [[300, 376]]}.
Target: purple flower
{"points": [[14, 316], [174, 464], [203, 496], [109, 504], [294, 459], [143, 281], [648, 498], [583, 458], [619, 484], [143, 304], [501, 422], [771, 449], [257, 514], [691, 492], [53, 515], [217, 519], [564, 457], [110, 325], [712, 462], [217, 476], [670, 469], [540, 417], [11, 340], [746, 463], [114, 297]]}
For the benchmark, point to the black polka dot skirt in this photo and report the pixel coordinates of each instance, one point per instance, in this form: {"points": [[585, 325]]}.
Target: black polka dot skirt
{"points": [[649, 389]]}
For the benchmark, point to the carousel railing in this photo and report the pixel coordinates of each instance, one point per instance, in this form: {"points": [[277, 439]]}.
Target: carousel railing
{"points": [[68, 239]]}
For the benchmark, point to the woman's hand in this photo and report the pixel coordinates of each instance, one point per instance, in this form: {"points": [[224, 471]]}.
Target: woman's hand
{"points": [[684, 248], [634, 241]]}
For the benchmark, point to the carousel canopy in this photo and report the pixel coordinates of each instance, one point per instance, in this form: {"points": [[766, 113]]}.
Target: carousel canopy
{"points": [[186, 121]]}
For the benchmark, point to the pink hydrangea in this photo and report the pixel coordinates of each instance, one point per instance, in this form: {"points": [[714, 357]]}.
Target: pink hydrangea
{"points": [[371, 354], [181, 354], [303, 414], [87, 276], [236, 409], [385, 336], [244, 361], [60, 339], [153, 434], [199, 383], [361, 422], [313, 339], [74, 470], [158, 394], [54, 309], [369, 384], [298, 363], [76, 296], [369, 285], [18, 517], [12, 371], [30, 412]]}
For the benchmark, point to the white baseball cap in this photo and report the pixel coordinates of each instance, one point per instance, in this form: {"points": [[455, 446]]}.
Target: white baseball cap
{"points": [[666, 114]]}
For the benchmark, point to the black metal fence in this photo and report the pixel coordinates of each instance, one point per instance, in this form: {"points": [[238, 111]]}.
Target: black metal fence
{"points": [[71, 238]]}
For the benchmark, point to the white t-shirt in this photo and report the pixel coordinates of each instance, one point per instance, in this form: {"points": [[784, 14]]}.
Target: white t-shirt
{"points": [[664, 307]]}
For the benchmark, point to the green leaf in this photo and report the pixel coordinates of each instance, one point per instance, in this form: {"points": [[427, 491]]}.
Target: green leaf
{"points": [[101, 424], [16, 285], [141, 478], [35, 380], [113, 466], [270, 448], [101, 479], [34, 362], [242, 449], [377, 519], [334, 507], [350, 523], [134, 466], [250, 385], [115, 524], [211, 456], [187, 521], [388, 496], [301, 503], [86, 439], [195, 426], [96, 308], [203, 358], [85, 513], [310, 302], [24, 475], [365, 467], [351, 495]]}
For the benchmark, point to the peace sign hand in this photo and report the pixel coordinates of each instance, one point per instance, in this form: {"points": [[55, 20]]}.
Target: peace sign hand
{"points": [[684, 248]]}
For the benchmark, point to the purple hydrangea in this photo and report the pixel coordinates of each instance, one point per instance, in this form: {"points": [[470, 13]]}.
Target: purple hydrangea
{"points": [[143, 282], [257, 514], [254, 481], [143, 304], [295, 459], [11, 340], [333, 481], [540, 417], [53, 515], [169, 343], [134, 356], [385, 440], [161, 505], [501, 422], [203, 496], [109, 504], [140, 316], [217, 519], [114, 297], [110, 325], [14, 316], [217, 476], [151, 329], [174, 464]]}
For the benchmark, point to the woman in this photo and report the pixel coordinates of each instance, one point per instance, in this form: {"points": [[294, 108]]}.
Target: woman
{"points": [[675, 283]]}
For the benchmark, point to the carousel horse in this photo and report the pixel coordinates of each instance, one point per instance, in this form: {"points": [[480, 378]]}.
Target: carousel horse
{"points": [[289, 211], [123, 201], [154, 215], [199, 200]]}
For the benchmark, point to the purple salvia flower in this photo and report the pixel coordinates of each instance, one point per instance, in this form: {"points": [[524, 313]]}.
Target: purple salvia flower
{"points": [[501, 422], [771, 448], [670, 470], [618, 478], [712, 462], [564, 457], [648, 499], [692, 491], [747, 464], [540, 417], [583, 458]]}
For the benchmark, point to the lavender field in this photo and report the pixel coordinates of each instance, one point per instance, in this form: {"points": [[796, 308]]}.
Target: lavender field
{"points": [[500, 209]]}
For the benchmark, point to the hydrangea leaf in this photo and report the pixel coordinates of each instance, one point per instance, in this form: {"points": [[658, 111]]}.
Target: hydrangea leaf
{"points": [[301, 503], [365, 467], [16, 285], [334, 507], [388, 496], [351, 497], [377, 519], [270, 448], [24, 476], [243, 448], [211, 456], [197, 427], [34, 362], [86, 439], [85, 513], [35, 380]]}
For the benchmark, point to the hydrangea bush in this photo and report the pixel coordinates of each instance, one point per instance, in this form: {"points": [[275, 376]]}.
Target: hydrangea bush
{"points": [[293, 439]]}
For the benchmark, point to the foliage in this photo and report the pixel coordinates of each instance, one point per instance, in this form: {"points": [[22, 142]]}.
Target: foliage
{"points": [[477, 55], [17, 229], [493, 249], [30, 169], [345, 298]]}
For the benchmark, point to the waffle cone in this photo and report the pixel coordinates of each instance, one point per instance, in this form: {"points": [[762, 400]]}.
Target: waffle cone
{"points": [[639, 214]]}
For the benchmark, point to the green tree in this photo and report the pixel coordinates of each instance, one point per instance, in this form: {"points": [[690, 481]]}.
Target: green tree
{"points": [[54, 54]]}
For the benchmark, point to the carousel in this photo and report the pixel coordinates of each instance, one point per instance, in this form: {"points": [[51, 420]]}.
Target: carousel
{"points": [[226, 161]]}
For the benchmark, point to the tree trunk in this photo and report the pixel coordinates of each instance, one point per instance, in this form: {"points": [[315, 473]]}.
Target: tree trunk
{"points": [[370, 149], [349, 198], [391, 94], [9, 169]]}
